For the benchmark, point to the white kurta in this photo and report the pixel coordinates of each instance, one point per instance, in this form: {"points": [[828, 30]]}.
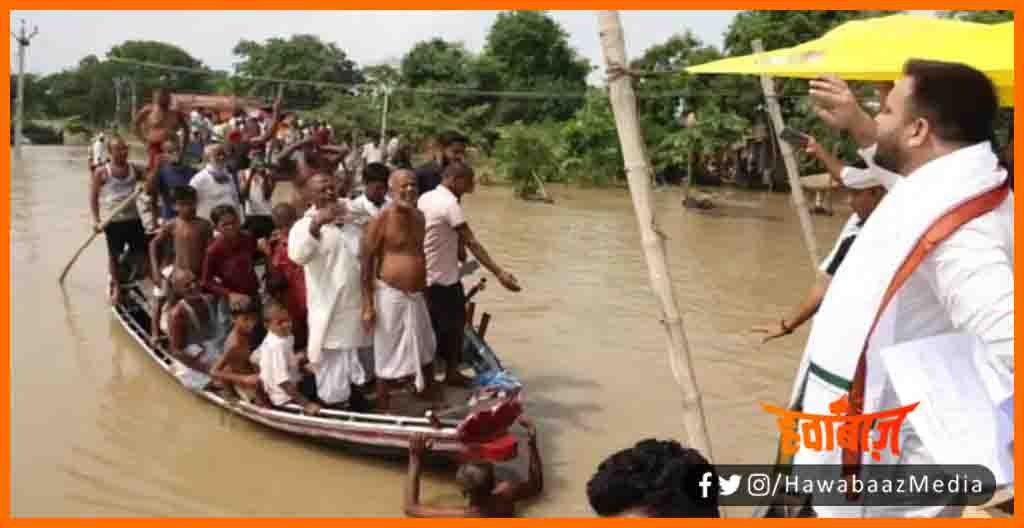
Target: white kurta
{"points": [[333, 300], [964, 286], [359, 212]]}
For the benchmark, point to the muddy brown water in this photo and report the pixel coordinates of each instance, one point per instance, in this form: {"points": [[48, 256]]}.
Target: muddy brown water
{"points": [[97, 430]]}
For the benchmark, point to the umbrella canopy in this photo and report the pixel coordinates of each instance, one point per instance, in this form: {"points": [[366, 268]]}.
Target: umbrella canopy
{"points": [[876, 50]]}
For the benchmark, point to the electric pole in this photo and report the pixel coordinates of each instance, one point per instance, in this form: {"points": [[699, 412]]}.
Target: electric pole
{"points": [[23, 42]]}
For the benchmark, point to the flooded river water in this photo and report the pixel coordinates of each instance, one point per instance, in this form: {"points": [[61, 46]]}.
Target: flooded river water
{"points": [[97, 430]]}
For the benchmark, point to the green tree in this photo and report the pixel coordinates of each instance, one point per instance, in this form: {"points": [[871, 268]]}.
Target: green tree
{"points": [[590, 146], [985, 17], [147, 79], [530, 51], [436, 61], [300, 58]]}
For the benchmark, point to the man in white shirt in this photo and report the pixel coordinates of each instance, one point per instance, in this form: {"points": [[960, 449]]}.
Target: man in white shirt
{"points": [[934, 129], [214, 184], [372, 151], [98, 156], [446, 298]]}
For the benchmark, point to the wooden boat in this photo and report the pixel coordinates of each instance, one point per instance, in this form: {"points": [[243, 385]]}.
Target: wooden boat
{"points": [[475, 428]]}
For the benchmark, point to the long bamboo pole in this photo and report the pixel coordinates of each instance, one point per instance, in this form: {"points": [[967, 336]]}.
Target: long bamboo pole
{"points": [[639, 174], [120, 207], [792, 169]]}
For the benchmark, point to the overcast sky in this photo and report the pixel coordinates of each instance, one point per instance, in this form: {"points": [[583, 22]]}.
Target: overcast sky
{"points": [[368, 37]]}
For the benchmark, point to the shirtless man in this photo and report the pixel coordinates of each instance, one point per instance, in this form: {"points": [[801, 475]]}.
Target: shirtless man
{"points": [[157, 122], [316, 156], [192, 322], [487, 496], [394, 270], [191, 235]]}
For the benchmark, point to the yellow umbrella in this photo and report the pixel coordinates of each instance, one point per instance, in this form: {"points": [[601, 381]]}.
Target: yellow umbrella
{"points": [[876, 50]]}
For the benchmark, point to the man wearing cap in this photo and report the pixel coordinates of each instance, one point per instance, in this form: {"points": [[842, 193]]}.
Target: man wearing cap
{"points": [[866, 192]]}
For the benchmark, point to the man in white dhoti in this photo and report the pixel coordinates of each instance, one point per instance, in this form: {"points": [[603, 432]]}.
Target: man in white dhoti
{"points": [[394, 279], [893, 292], [333, 296]]}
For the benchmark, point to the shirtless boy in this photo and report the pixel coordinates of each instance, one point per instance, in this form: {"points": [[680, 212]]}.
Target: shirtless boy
{"points": [[234, 367], [157, 122], [191, 236]]}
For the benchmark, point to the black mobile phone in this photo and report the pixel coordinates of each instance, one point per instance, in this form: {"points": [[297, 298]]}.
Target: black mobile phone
{"points": [[794, 138]]}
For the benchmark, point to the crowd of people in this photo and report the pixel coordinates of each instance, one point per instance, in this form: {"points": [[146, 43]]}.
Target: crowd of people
{"points": [[356, 279], [363, 275]]}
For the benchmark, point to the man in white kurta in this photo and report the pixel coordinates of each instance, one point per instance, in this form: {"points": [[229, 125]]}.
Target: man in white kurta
{"points": [[333, 296], [962, 292]]}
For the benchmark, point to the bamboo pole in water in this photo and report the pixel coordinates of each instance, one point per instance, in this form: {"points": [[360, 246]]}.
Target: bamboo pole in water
{"points": [[792, 169], [639, 175]]}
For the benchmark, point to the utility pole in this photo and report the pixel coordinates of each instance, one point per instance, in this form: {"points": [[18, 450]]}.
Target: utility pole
{"points": [[23, 42], [118, 84], [384, 118], [131, 118]]}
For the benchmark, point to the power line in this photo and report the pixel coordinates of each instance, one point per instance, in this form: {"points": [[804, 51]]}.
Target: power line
{"points": [[434, 90]]}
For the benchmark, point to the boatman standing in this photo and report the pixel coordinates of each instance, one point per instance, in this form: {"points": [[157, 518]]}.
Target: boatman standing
{"points": [[923, 305]]}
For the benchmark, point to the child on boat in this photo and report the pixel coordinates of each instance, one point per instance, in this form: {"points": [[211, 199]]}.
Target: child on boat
{"points": [[235, 368], [191, 236], [229, 268], [281, 370], [286, 280], [194, 331]]}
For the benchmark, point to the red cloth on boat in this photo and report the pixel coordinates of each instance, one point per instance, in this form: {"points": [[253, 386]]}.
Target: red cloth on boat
{"points": [[295, 296]]}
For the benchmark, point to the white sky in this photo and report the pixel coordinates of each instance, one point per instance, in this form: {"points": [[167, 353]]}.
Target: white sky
{"points": [[368, 37]]}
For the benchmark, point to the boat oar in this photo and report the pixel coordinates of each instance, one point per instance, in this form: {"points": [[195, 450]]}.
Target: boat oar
{"points": [[113, 214]]}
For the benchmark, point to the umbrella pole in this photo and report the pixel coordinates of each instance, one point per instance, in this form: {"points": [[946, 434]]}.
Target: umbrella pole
{"points": [[792, 169], [638, 172]]}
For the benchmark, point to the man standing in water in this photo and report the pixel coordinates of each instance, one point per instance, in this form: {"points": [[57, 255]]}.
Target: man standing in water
{"points": [[488, 496], [446, 228], [394, 278], [157, 122]]}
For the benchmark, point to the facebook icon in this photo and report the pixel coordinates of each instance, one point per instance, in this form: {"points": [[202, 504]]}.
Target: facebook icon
{"points": [[705, 484]]}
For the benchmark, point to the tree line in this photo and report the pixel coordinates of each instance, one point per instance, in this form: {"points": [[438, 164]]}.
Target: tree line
{"points": [[566, 133]]}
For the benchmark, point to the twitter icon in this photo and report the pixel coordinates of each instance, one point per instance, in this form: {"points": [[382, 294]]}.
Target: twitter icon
{"points": [[728, 487]]}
